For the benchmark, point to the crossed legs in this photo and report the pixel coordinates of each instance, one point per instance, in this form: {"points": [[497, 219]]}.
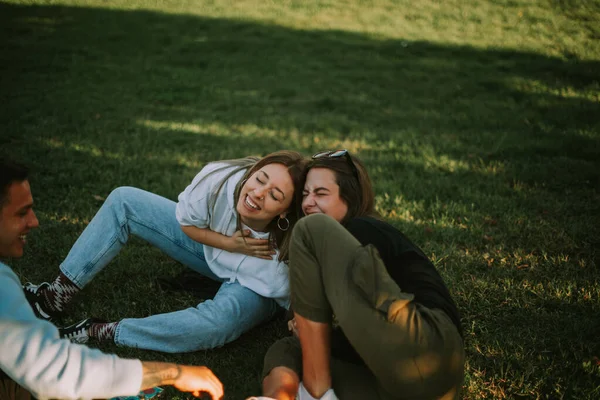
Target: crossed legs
{"points": [[409, 351]]}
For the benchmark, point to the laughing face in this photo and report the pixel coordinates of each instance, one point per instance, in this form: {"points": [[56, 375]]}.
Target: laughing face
{"points": [[266, 195], [16, 220], [321, 195]]}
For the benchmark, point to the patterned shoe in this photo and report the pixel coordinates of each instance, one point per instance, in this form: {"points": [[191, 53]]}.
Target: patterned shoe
{"points": [[36, 301], [79, 332]]}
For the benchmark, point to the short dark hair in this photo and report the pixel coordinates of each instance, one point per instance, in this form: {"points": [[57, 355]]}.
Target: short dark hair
{"points": [[10, 172]]}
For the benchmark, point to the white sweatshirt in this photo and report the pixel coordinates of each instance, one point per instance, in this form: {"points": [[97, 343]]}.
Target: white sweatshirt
{"points": [[33, 355], [268, 278]]}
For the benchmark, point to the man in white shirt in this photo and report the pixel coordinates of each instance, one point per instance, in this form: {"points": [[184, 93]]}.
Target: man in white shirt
{"points": [[33, 358]]}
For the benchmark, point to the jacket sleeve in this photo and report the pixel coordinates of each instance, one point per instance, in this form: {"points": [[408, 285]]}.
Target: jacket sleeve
{"points": [[193, 204], [32, 354]]}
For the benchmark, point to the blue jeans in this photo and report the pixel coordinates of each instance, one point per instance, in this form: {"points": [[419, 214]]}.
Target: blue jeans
{"points": [[234, 310]]}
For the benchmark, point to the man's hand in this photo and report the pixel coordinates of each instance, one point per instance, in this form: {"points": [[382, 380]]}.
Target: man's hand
{"points": [[241, 242], [186, 378], [197, 380]]}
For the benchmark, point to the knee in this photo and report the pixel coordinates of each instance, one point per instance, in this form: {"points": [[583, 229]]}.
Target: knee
{"points": [[285, 355], [281, 383], [311, 224], [123, 200], [287, 346], [118, 197], [121, 193]]}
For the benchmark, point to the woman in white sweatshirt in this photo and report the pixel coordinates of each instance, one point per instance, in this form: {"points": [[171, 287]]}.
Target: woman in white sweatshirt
{"points": [[231, 224]]}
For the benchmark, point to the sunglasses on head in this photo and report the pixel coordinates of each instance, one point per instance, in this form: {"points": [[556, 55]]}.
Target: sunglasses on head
{"points": [[337, 154]]}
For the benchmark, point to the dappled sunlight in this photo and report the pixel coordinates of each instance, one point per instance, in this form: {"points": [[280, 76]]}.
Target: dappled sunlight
{"points": [[409, 371], [429, 363], [60, 217], [444, 162], [428, 158], [173, 157], [213, 128], [45, 25], [294, 136], [88, 149], [537, 86]]}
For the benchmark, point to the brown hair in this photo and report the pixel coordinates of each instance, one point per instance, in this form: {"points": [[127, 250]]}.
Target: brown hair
{"points": [[356, 189], [10, 172], [296, 166]]}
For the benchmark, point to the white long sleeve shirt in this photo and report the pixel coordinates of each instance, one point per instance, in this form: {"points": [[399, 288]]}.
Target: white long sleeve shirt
{"points": [[268, 278], [32, 354]]}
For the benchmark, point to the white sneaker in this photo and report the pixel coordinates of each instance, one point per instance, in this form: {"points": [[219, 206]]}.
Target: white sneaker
{"points": [[260, 398], [304, 395]]}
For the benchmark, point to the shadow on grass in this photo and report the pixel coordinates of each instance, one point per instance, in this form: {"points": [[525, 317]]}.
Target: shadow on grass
{"points": [[144, 92], [98, 98]]}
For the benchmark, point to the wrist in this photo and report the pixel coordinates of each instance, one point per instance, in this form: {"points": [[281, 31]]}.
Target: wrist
{"points": [[171, 374], [159, 373], [226, 242]]}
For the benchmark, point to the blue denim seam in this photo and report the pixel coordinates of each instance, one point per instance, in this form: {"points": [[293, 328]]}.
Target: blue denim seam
{"points": [[112, 240]]}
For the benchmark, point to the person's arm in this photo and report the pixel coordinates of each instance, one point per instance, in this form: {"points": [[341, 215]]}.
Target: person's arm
{"points": [[196, 210], [240, 242], [32, 354], [187, 378]]}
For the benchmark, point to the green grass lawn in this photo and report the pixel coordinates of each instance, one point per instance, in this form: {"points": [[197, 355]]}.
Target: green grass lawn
{"points": [[478, 120]]}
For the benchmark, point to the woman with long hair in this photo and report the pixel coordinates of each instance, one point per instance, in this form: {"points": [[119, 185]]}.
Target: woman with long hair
{"points": [[231, 224], [373, 318]]}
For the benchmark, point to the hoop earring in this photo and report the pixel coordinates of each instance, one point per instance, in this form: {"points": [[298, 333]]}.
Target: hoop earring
{"points": [[287, 221]]}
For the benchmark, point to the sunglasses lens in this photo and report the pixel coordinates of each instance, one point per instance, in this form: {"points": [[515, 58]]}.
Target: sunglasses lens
{"points": [[338, 153], [332, 154], [322, 154]]}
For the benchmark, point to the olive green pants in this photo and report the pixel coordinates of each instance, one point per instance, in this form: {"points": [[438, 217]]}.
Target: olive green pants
{"points": [[409, 351]]}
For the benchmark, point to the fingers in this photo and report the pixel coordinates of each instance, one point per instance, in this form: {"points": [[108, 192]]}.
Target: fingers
{"points": [[264, 254], [216, 389], [217, 385], [202, 380], [249, 239], [292, 327], [259, 247], [257, 242], [262, 249], [243, 234]]}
